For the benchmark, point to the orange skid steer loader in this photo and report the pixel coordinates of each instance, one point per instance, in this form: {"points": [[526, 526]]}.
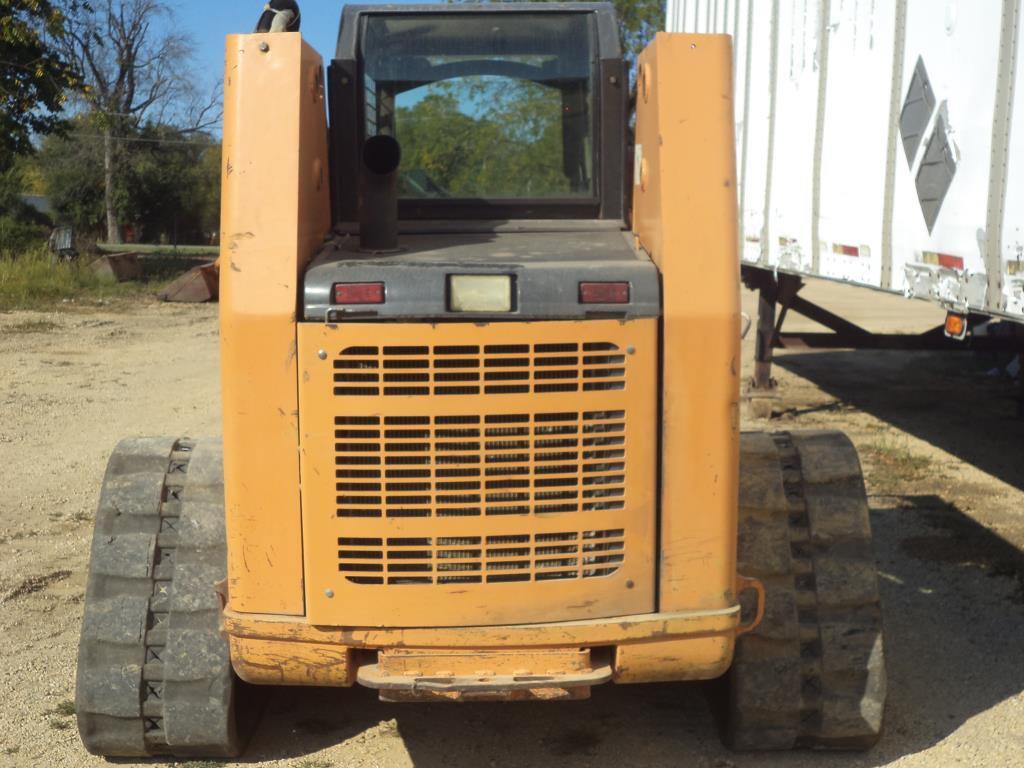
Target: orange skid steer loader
{"points": [[480, 392]]}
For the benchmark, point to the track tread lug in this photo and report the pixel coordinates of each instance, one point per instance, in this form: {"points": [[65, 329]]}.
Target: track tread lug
{"points": [[823, 617], [154, 673]]}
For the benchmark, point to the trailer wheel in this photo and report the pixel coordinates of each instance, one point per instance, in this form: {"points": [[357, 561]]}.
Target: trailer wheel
{"points": [[154, 673], [812, 675]]}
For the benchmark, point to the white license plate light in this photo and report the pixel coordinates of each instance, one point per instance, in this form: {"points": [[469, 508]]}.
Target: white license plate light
{"points": [[480, 293]]}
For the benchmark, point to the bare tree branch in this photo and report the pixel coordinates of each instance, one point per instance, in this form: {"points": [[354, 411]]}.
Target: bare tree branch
{"points": [[138, 70]]}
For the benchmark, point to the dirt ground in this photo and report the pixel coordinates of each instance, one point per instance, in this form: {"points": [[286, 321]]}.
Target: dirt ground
{"points": [[941, 448]]}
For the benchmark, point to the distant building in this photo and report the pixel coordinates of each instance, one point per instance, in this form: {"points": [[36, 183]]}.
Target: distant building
{"points": [[40, 203]]}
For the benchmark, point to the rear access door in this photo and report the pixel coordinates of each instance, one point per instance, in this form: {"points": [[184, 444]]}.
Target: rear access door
{"points": [[473, 474]]}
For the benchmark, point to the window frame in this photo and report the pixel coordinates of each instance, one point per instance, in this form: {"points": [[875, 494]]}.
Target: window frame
{"points": [[347, 129]]}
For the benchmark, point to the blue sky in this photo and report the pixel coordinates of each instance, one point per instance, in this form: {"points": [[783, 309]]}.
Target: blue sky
{"points": [[210, 20]]}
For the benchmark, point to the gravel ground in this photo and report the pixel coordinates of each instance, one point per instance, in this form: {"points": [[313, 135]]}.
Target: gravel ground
{"points": [[942, 454]]}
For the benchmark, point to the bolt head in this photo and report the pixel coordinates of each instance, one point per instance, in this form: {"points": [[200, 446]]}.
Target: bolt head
{"points": [[322, 354], [264, 47], [630, 350], [329, 593]]}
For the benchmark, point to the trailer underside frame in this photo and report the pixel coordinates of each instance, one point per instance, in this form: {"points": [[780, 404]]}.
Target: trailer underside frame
{"points": [[778, 294]]}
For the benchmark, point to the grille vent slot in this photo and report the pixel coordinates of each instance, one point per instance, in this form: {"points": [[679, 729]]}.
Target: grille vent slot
{"points": [[491, 369], [507, 558], [479, 465]]}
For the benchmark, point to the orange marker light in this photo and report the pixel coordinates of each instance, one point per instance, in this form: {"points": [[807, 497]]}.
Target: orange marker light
{"points": [[956, 325]]}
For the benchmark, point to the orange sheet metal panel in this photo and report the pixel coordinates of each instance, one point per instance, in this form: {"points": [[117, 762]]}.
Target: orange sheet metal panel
{"points": [[275, 212], [289, 662], [685, 217], [464, 474], [662, 661], [614, 630]]}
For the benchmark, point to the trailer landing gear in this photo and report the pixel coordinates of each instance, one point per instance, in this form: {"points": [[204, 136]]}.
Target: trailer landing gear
{"points": [[760, 391]]}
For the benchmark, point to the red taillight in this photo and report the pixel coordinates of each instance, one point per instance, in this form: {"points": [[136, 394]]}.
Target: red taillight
{"points": [[950, 262], [943, 260], [604, 293], [359, 293]]}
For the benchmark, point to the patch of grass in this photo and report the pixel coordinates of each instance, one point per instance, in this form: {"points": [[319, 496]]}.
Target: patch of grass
{"points": [[33, 326], [891, 462], [58, 716], [11, 750], [65, 709], [202, 764], [313, 763], [31, 281]]}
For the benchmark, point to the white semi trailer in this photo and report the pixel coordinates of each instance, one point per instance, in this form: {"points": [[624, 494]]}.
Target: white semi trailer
{"points": [[880, 142]]}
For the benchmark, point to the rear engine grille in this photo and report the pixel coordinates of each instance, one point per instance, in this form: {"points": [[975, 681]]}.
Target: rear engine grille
{"points": [[481, 559], [515, 503], [479, 465], [494, 369]]}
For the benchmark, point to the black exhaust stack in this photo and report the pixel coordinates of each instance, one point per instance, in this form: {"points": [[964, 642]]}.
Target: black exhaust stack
{"points": [[378, 194]]}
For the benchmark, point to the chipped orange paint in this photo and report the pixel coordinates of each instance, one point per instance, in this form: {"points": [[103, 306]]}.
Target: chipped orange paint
{"points": [[275, 211], [418, 662], [688, 645], [556, 634], [286, 662]]}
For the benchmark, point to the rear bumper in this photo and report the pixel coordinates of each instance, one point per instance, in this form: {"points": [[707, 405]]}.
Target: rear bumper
{"points": [[477, 675], [683, 645]]}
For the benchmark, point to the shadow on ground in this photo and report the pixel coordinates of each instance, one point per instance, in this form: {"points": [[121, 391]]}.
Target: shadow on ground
{"points": [[943, 398], [952, 593]]}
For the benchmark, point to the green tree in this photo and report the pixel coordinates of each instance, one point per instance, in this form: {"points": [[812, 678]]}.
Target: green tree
{"points": [[72, 167], [639, 21], [167, 188], [486, 136], [134, 73], [35, 75], [20, 225], [168, 179], [512, 139]]}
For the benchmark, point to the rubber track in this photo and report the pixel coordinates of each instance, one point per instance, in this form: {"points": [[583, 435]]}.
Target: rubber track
{"points": [[129, 667], [805, 587], [813, 674], [158, 613]]}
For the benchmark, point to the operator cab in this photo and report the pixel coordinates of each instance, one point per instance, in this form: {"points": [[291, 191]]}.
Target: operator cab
{"points": [[510, 122]]}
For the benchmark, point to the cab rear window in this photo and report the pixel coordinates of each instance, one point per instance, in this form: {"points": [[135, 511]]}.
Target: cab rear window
{"points": [[484, 106]]}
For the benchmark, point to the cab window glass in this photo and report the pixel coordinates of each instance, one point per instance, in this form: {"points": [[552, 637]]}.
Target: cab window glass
{"points": [[484, 107]]}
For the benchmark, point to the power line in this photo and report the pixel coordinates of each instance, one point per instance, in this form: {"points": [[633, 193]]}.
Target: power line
{"points": [[100, 136]]}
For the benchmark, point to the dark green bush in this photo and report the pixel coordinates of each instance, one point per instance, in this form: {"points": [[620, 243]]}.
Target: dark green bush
{"points": [[18, 235]]}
